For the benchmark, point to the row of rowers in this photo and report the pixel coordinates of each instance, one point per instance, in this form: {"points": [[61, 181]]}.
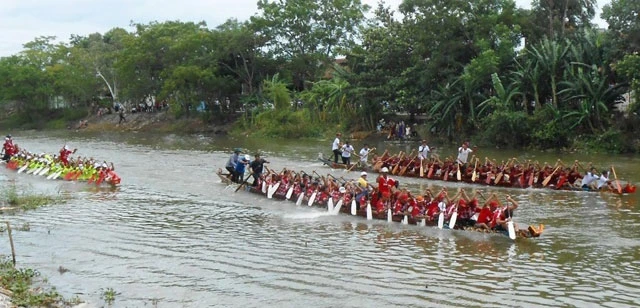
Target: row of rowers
{"points": [[491, 214], [512, 173]]}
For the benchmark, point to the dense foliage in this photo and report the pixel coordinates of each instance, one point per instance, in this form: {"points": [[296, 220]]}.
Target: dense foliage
{"points": [[544, 77]]}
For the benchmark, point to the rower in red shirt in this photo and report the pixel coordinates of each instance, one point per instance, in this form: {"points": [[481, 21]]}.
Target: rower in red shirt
{"points": [[64, 154]]}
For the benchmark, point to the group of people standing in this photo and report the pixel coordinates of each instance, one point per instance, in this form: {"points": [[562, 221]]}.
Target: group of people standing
{"points": [[346, 150], [237, 164]]}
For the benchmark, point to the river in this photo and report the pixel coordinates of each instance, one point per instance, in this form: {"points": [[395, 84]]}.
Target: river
{"points": [[173, 236]]}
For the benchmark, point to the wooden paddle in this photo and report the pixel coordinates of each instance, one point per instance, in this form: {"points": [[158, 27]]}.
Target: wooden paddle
{"points": [[422, 168], [404, 169], [459, 173], [394, 171], [617, 181], [548, 178], [243, 182], [474, 177]]}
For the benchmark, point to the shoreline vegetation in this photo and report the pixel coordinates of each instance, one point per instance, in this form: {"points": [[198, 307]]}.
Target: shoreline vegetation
{"points": [[24, 287], [543, 77]]}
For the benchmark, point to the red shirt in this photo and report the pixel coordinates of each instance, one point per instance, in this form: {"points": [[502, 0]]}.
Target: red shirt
{"points": [[484, 216], [385, 184], [9, 149]]}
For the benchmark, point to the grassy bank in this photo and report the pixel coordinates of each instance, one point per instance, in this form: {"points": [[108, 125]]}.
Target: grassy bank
{"points": [[11, 199], [27, 288]]}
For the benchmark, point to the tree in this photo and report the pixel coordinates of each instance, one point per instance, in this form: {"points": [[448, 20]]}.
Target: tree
{"points": [[624, 26], [308, 34]]}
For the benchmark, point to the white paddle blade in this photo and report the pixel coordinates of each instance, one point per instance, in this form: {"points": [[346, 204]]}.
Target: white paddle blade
{"points": [[512, 230], [312, 199], [369, 214], [289, 192], [44, 171], [330, 205], [452, 222], [389, 217], [270, 192], [405, 220], [441, 221], [353, 207], [338, 207], [423, 222], [23, 168], [299, 201], [459, 175], [57, 175], [264, 187]]}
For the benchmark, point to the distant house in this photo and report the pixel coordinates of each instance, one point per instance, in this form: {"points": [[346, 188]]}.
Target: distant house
{"points": [[328, 74]]}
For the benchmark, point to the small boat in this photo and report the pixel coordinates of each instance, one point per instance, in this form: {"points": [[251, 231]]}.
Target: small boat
{"points": [[366, 211]]}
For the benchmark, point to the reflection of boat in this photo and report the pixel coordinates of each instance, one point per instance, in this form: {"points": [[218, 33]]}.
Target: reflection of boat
{"points": [[46, 168], [301, 198]]}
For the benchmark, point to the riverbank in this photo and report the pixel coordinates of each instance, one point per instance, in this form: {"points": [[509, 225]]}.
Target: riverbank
{"points": [[161, 121]]}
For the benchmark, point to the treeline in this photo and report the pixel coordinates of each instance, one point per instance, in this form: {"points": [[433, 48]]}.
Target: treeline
{"points": [[543, 77]]}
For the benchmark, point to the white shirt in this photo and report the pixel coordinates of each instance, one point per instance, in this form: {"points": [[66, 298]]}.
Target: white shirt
{"points": [[336, 144], [589, 178], [603, 179], [463, 154], [347, 149], [364, 154], [423, 151]]}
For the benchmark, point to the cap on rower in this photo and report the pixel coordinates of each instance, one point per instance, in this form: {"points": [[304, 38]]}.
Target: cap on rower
{"points": [[363, 173], [247, 158], [342, 189], [237, 150], [384, 170]]}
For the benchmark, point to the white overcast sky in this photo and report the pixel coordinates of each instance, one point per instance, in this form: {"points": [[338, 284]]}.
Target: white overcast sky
{"points": [[23, 20]]}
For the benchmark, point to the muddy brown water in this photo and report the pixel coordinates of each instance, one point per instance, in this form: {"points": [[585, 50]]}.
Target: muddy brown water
{"points": [[173, 236]]}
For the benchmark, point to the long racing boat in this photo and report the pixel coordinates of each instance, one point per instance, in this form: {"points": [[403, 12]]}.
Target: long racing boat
{"points": [[510, 174], [273, 186]]}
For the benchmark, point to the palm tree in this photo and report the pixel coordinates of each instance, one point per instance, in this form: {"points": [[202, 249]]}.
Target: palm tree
{"points": [[551, 55]]}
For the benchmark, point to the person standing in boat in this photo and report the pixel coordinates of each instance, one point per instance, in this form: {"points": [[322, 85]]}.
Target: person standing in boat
{"points": [[232, 163], [335, 147], [347, 150], [386, 185], [256, 168], [64, 155], [240, 168], [8, 149], [364, 155], [463, 153], [423, 150]]}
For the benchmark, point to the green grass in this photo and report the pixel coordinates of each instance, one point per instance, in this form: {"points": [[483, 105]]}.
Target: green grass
{"points": [[25, 286], [11, 197]]}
